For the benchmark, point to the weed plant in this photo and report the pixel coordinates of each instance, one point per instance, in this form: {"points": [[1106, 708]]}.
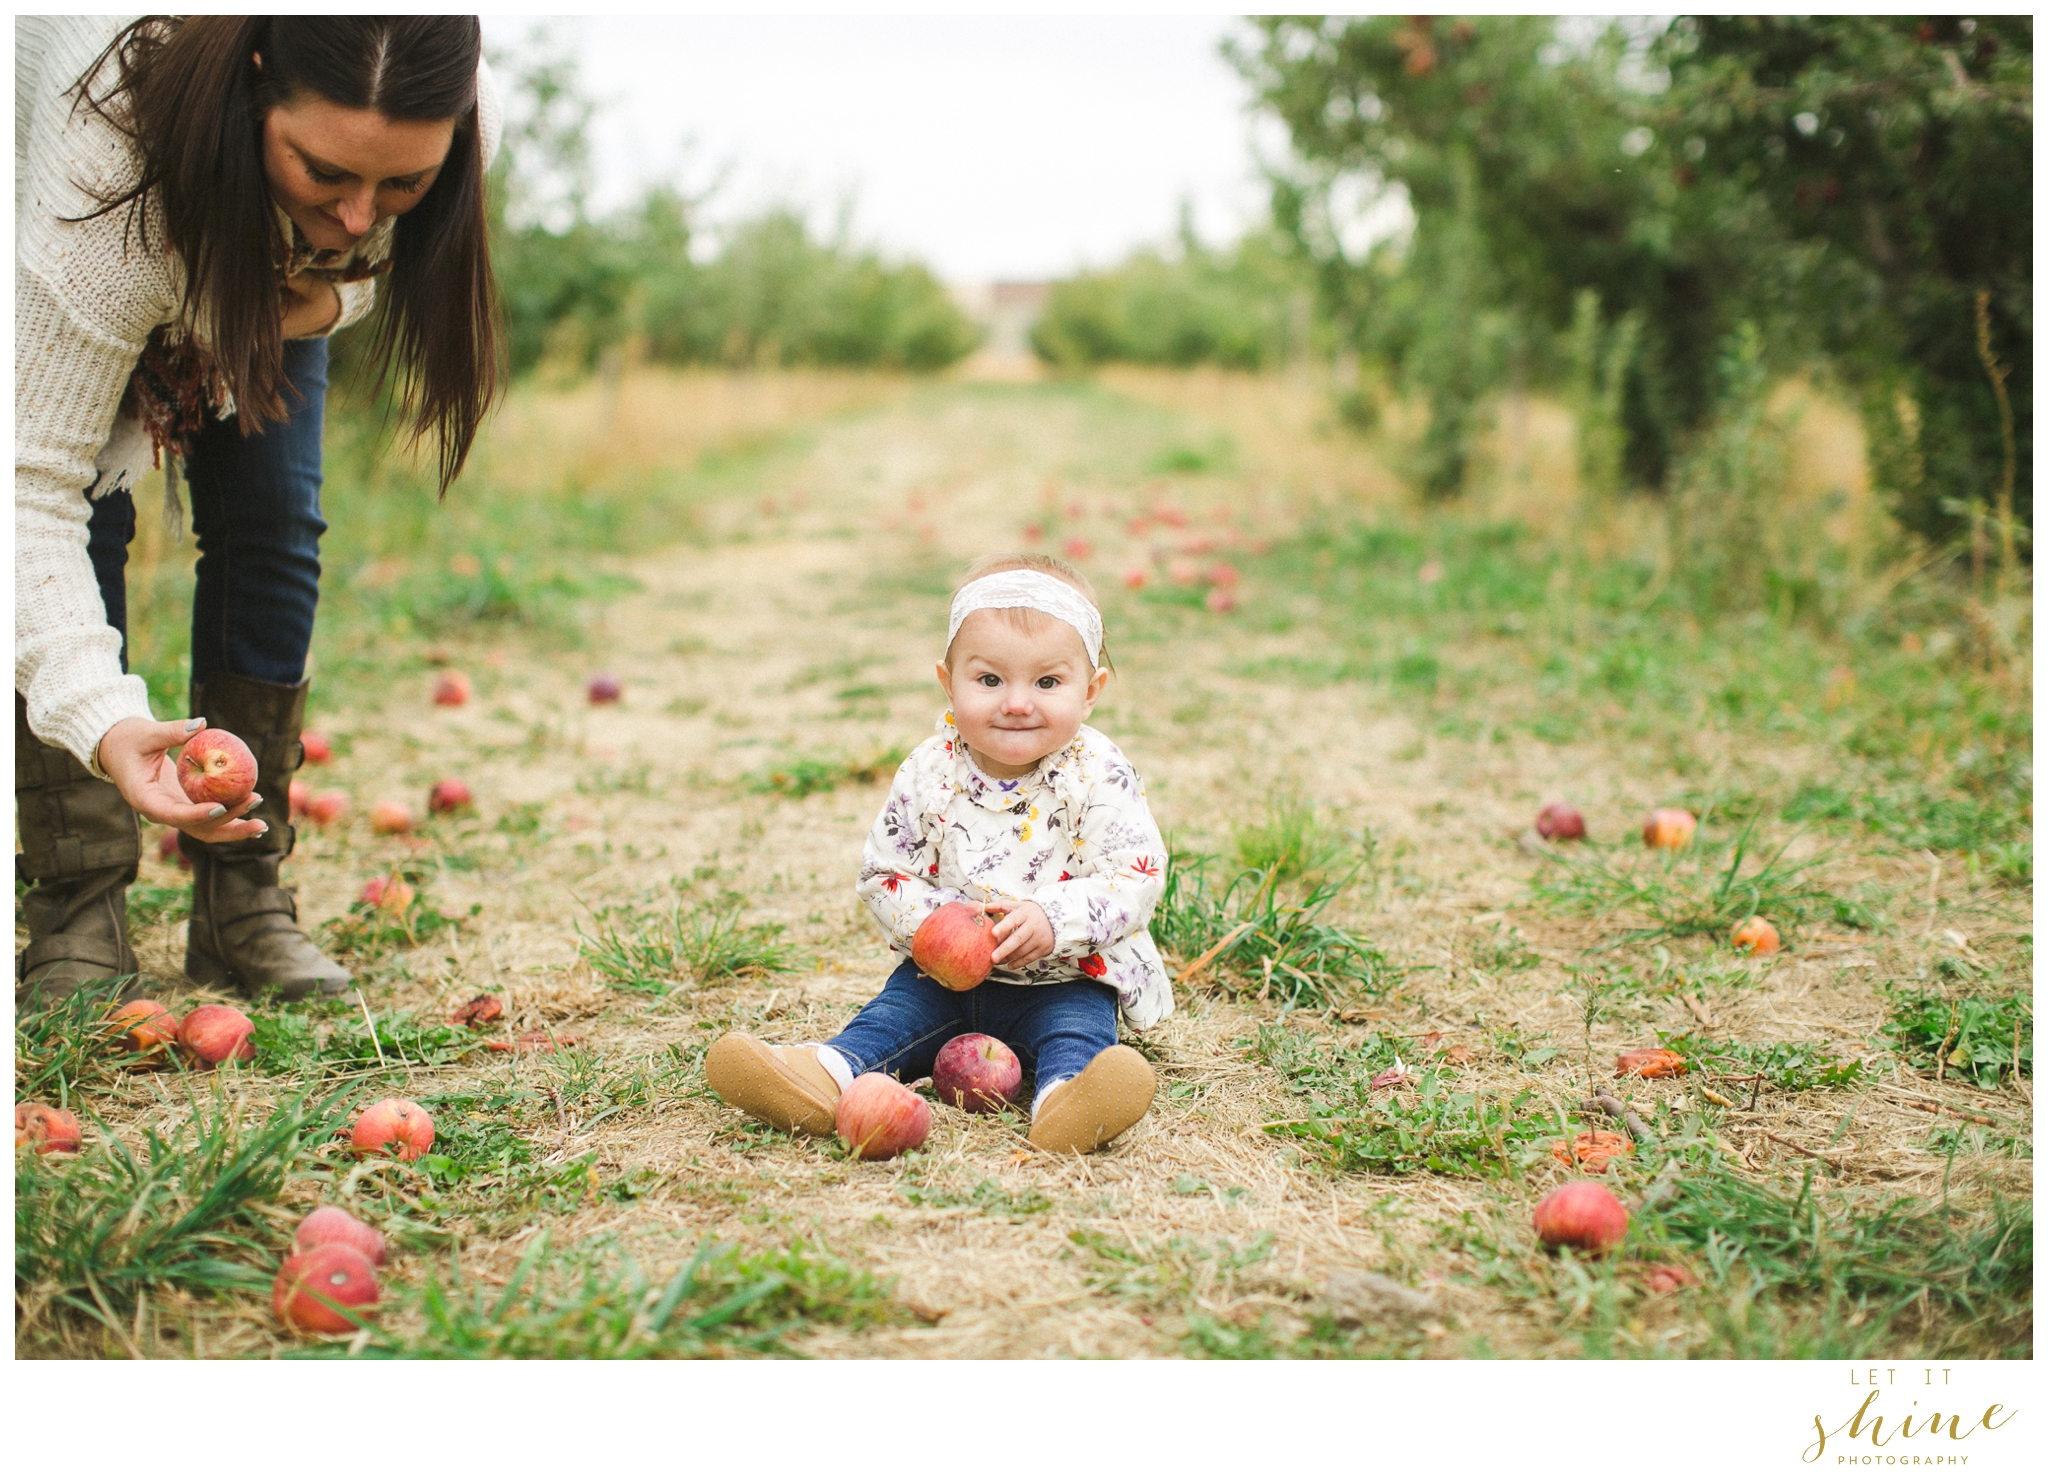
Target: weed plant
{"points": [[1703, 890], [1270, 945], [650, 951], [1978, 1039], [58, 1048], [1423, 1128], [800, 777], [1784, 1066]]}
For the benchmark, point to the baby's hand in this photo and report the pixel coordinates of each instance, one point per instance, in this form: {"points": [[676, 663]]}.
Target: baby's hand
{"points": [[1024, 935]]}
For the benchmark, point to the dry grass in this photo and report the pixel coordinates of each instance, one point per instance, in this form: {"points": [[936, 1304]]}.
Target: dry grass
{"points": [[806, 627]]}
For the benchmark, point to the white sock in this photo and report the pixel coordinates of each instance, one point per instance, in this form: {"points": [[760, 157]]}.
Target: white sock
{"points": [[1038, 1101], [836, 1065]]}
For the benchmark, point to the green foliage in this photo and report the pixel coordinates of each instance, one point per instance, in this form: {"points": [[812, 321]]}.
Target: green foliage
{"points": [[1703, 889], [594, 1302], [92, 1234], [1270, 944], [987, 1196], [1291, 840], [1871, 1265], [578, 287], [303, 1043], [57, 1048], [800, 777], [1246, 308], [1978, 1038], [367, 929], [1604, 205], [1784, 1066], [1422, 1128], [647, 950]]}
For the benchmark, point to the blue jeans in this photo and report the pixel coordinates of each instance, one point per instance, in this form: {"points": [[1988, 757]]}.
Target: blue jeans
{"points": [[256, 518], [1055, 1028]]}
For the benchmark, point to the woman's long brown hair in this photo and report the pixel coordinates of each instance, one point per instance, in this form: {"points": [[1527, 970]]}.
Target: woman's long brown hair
{"points": [[188, 94]]}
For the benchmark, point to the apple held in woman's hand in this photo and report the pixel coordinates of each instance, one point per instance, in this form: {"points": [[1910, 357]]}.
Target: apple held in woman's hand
{"points": [[879, 1117], [216, 767], [977, 1073], [954, 946]]}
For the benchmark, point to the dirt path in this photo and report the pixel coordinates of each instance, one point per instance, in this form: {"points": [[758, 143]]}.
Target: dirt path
{"points": [[801, 623]]}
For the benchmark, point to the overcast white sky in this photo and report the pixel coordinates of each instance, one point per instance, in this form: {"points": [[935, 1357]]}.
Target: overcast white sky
{"points": [[988, 147]]}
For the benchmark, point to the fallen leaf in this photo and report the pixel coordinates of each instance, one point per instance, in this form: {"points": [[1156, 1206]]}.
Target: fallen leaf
{"points": [[1593, 1150], [1457, 1055], [478, 1012], [1649, 1065], [533, 1040]]}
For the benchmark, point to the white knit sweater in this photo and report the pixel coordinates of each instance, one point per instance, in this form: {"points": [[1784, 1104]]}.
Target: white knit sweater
{"points": [[86, 298]]}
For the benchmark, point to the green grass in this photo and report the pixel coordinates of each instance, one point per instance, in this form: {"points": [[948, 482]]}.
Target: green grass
{"points": [[1292, 840], [1784, 1066], [1273, 944], [797, 778], [650, 950], [61, 1047], [1706, 889], [592, 1301], [1982, 1040], [1427, 1128], [184, 1213]]}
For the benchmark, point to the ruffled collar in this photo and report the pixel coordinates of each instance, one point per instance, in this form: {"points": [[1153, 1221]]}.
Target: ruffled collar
{"points": [[1003, 795], [369, 257]]}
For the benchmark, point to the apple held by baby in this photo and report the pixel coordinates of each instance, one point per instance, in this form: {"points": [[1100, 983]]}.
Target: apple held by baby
{"points": [[955, 946]]}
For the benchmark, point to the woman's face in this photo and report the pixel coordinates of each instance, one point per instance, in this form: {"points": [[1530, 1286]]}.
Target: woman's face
{"points": [[337, 171]]}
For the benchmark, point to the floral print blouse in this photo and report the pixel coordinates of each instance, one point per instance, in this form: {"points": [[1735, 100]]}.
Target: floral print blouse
{"points": [[1073, 835]]}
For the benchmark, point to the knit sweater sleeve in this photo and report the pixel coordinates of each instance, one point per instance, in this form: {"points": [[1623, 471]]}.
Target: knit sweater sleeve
{"points": [[87, 293]]}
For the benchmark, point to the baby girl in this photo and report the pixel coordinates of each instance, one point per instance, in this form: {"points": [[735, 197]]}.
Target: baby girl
{"points": [[1015, 807]]}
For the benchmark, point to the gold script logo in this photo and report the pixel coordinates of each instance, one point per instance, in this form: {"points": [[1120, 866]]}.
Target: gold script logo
{"points": [[1893, 1426]]}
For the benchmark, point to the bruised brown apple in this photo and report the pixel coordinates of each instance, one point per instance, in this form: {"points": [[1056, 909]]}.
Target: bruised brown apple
{"points": [[604, 689], [215, 1032], [216, 767], [954, 945], [1583, 1216], [879, 1117], [45, 1128], [143, 1027], [329, 1225], [479, 1011], [314, 1291], [977, 1073], [1669, 829], [1557, 821], [394, 1128]]}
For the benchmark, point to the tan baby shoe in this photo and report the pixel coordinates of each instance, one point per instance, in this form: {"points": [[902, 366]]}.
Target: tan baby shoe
{"points": [[1100, 1103], [785, 1086]]}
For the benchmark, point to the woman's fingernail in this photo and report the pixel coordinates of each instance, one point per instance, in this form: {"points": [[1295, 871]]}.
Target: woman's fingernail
{"points": [[253, 803], [195, 724], [217, 811], [262, 828]]}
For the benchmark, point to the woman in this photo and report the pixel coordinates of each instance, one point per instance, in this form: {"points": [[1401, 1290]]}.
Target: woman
{"points": [[199, 202]]}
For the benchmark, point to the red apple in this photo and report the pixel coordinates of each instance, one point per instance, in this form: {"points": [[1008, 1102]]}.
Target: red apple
{"points": [[1556, 821], [1221, 601], [879, 1117], [604, 688], [1582, 1215], [312, 1289], [977, 1073], [952, 946], [167, 849], [325, 808], [1183, 571], [479, 1011], [1669, 829], [1137, 576], [1757, 937], [451, 689], [53, 1129], [1079, 549], [213, 1033], [144, 1027], [386, 893], [448, 796], [216, 767], [1222, 575], [318, 750], [328, 1225], [400, 1128], [389, 817]]}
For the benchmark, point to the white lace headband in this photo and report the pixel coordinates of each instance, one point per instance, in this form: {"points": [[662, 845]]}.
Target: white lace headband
{"points": [[1026, 588]]}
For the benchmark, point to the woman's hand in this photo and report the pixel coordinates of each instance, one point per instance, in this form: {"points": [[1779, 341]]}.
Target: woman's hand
{"points": [[1024, 935], [137, 757], [310, 304]]}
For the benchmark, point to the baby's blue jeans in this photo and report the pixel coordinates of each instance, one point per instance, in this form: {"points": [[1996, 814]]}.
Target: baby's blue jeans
{"points": [[1055, 1028]]}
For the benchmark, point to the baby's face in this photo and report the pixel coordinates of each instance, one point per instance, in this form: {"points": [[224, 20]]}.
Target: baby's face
{"points": [[1018, 694]]}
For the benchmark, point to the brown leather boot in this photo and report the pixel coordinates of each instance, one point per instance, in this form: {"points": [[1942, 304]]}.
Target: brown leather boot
{"points": [[81, 843], [245, 927]]}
